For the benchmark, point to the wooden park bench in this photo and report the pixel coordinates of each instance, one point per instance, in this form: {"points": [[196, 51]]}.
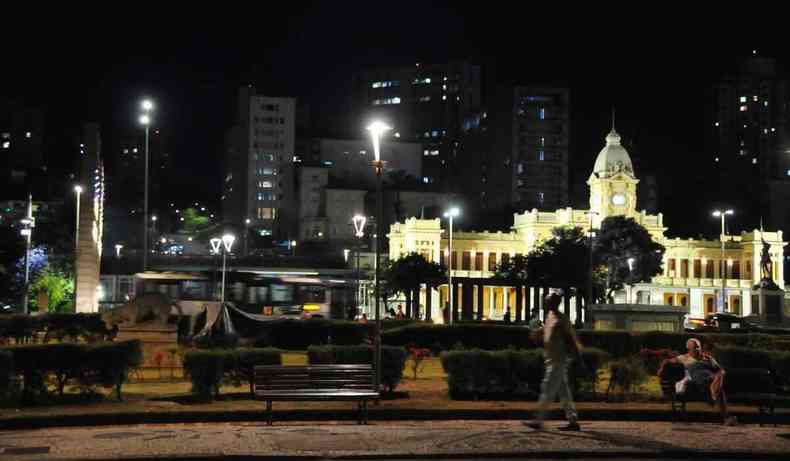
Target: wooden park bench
{"points": [[747, 386], [316, 383]]}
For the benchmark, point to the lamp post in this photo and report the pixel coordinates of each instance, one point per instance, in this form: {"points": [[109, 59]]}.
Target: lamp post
{"points": [[292, 245], [153, 225], [359, 228], [29, 222], [246, 236], [223, 244], [631, 277], [450, 214], [145, 120], [78, 190], [723, 265], [591, 236], [118, 248], [377, 129]]}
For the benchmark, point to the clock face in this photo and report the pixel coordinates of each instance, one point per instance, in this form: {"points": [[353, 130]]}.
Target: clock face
{"points": [[618, 199]]}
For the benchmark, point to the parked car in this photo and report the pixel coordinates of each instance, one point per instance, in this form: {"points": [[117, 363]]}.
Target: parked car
{"points": [[721, 322]]}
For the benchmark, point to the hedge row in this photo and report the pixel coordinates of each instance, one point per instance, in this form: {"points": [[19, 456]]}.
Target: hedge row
{"points": [[301, 334], [481, 374], [105, 364], [207, 369], [617, 343], [24, 328], [393, 360]]}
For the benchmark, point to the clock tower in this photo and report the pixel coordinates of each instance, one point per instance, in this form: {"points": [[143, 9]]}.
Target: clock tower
{"points": [[612, 182]]}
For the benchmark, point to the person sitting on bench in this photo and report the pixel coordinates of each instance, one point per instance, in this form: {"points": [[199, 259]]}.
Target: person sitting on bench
{"points": [[703, 371]]}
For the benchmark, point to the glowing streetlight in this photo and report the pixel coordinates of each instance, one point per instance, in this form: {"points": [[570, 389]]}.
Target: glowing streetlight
{"points": [[346, 251], [118, 248], [359, 231], [223, 244], [145, 119], [376, 129], [453, 212], [78, 191], [722, 267], [147, 105]]}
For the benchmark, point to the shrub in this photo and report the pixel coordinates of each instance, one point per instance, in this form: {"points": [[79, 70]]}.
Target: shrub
{"points": [[24, 328], [471, 335], [393, 360], [740, 357], [301, 334], [103, 363], [652, 358], [628, 374], [207, 369], [617, 343], [418, 356], [478, 373]]}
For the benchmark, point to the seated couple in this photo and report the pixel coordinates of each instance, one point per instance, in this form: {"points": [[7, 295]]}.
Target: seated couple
{"points": [[703, 372]]}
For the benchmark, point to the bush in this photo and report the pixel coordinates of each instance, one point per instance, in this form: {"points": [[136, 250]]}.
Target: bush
{"points": [[24, 328], [471, 335], [511, 373], [393, 360], [628, 374], [6, 372], [740, 357], [301, 334], [102, 363], [207, 369], [584, 374], [652, 358]]}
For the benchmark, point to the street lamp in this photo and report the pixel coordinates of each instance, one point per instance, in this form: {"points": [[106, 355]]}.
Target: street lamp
{"points": [[292, 245], [723, 265], [78, 190], [118, 248], [630, 276], [377, 129], [29, 222], [450, 214], [145, 120], [223, 244], [246, 236], [346, 251], [359, 231]]}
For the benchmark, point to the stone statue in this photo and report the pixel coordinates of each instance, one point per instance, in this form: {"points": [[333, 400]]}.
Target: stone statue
{"points": [[151, 309], [766, 265]]}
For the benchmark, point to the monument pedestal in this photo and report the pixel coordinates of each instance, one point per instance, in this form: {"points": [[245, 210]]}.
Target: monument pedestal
{"points": [[157, 341], [768, 299]]}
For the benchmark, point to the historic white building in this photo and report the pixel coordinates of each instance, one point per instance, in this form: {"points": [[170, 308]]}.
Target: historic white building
{"points": [[694, 271]]}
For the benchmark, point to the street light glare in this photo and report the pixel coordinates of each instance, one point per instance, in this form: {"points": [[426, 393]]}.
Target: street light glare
{"points": [[452, 212], [377, 128], [78, 189], [147, 105], [227, 241], [145, 120]]}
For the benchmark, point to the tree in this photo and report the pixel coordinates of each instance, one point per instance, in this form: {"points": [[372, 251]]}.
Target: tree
{"points": [[405, 275], [194, 221], [622, 239], [57, 286]]}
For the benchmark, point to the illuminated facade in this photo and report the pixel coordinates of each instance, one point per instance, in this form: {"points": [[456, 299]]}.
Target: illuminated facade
{"points": [[692, 269]]}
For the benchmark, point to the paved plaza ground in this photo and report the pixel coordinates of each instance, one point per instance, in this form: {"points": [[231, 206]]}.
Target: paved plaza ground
{"points": [[406, 439]]}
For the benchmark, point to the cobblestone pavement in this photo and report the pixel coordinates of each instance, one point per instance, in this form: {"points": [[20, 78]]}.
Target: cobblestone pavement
{"points": [[446, 438]]}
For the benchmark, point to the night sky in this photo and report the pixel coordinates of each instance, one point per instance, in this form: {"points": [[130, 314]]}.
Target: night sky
{"points": [[652, 68]]}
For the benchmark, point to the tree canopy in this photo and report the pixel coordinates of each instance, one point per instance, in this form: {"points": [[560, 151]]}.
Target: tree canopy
{"points": [[622, 240], [405, 275]]}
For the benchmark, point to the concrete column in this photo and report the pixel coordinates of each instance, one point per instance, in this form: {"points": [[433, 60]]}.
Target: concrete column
{"points": [[480, 299], [519, 302], [491, 303], [428, 301], [467, 301]]}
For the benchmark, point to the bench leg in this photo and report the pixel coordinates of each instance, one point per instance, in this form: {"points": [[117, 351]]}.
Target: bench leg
{"points": [[269, 412], [365, 411]]}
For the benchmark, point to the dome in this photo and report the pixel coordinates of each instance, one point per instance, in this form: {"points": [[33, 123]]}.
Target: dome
{"points": [[613, 158]]}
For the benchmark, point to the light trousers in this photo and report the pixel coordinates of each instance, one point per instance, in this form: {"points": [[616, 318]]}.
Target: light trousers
{"points": [[555, 383]]}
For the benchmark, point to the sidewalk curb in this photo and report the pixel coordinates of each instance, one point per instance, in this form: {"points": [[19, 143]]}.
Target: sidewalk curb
{"points": [[376, 415]]}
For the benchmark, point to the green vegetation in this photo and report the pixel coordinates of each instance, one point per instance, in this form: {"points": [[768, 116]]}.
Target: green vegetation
{"points": [[393, 360], [207, 369]]}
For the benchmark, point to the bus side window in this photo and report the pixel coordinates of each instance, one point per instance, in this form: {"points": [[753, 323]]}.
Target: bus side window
{"points": [[282, 293]]}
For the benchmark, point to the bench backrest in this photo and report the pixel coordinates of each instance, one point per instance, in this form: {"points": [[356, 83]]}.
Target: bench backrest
{"points": [[313, 378], [736, 381]]}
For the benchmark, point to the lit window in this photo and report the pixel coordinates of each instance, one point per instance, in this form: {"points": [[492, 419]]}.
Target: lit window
{"points": [[435, 133], [268, 171], [266, 184], [126, 151], [28, 134], [773, 130], [444, 97], [397, 134], [520, 168], [6, 144], [541, 155], [765, 103], [788, 172], [754, 161], [541, 196], [363, 152], [427, 134], [716, 159], [743, 98], [716, 124], [267, 213], [134, 150], [444, 87], [328, 163], [542, 141], [426, 179], [542, 113], [755, 98], [434, 152], [743, 108], [425, 98], [425, 152]]}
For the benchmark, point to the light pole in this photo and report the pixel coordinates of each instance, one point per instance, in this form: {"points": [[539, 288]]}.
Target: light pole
{"points": [[153, 225], [723, 265], [450, 214], [377, 129], [246, 236], [292, 244], [145, 120], [359, 227], [78, 190], [29, 222], [118, 248], [591, 235], [631, 277], [223, 244]]}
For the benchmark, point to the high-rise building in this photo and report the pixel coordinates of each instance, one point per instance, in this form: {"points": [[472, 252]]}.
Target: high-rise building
{"points": [[21, 150], [259, 148], [747, 118], [425, 103]]}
